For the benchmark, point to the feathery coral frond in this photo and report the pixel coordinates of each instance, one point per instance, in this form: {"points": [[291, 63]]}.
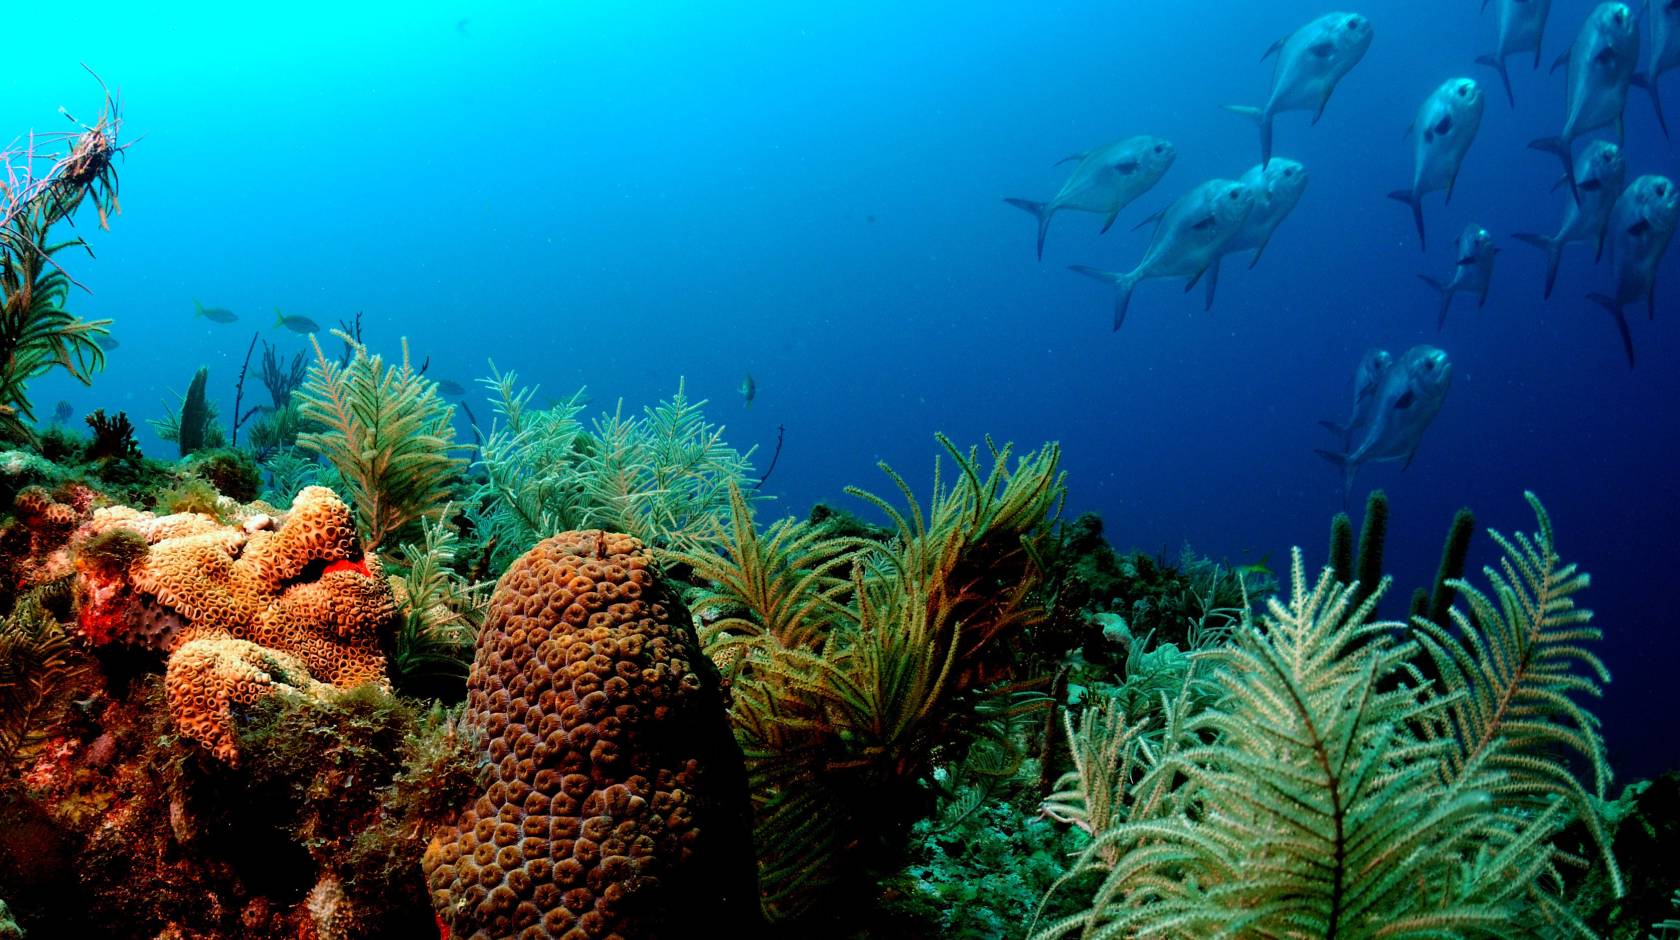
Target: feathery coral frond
{"points": [[386, 431], [1519, 656], [1316, 811]]}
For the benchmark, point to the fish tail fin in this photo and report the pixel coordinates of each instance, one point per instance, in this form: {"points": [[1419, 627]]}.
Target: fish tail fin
{"points": [[1260, 117], [1554, 255], [1615, 307], [198, 308], [1498, 64], [1411, 198], [1123, 285], [1040, 211], [1656, 102], [1446, 300], [1559, 148], [1341, 462], [279, 318]]}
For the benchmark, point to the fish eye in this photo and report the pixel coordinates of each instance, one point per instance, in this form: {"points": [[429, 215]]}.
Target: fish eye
{"points": [[1289, 171], [1160, 147]]}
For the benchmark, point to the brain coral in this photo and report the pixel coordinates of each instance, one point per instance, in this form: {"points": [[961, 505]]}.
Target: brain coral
{"points": [[303, 593], [617, 804]]}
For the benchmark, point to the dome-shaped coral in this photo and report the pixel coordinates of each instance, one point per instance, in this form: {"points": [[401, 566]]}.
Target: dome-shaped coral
{"points": [[617, 805]]}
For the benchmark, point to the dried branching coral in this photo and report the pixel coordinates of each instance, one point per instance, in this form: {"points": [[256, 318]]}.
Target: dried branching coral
{"points": [[613, 809], [37, 333]]}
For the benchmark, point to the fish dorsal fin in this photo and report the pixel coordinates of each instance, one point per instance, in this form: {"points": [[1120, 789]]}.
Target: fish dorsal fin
{"points": [[1071, 158], [1273, 49], [1156, 218]]}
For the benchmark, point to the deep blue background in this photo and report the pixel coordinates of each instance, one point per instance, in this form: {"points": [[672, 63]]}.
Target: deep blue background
{"points": [[620, 194]]}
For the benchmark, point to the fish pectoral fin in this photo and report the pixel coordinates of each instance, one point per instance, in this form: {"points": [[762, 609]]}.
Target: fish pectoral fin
{"points": [[1339, 460], [1322, 50], [1639, 228], [1205, 223], [1071, 158], [1322, 102], [1405, 401], [1562, 60], [1213, 285], [1334, 428], [1443, 126], [1108, 223], [1412, 454], [1273, 49], [1194, 280], [1156, 217], [1127, 168]]}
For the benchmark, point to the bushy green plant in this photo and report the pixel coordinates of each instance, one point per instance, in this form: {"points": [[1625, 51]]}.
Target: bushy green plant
{"points": [[1329, 791], [441, 613], [288, 472], [39, 670], [662, 476], [387, 432]]}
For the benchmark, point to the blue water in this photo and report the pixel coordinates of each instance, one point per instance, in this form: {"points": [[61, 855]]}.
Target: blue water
{"points": [[619, 195]]}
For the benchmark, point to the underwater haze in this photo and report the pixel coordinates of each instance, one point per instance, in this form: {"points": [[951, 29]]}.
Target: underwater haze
{"points": [[620, 196]]}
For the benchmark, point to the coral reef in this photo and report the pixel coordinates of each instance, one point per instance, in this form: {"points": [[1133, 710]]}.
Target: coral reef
{"points": [[242, 610], [614, 808]]}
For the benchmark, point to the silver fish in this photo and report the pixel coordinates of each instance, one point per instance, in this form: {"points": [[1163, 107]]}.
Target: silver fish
{"points": [[1310, 61], [1188, 236], [1664, 17], [1599, 177], [1445, 127], [1106, 180], [1277, 188], [1522, 24], [1409, 395], [748, 389], [1367, 379], [1641, 225], [1472, 273], [1601, 64], [214, 314]]}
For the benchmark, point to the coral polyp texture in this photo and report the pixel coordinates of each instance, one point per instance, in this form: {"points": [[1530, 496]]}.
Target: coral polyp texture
{"points": [[617, 803], [243, 610]]}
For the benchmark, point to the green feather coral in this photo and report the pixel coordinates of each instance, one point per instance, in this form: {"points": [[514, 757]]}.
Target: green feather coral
{"points": [[1334, 793], [387, 432]]}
